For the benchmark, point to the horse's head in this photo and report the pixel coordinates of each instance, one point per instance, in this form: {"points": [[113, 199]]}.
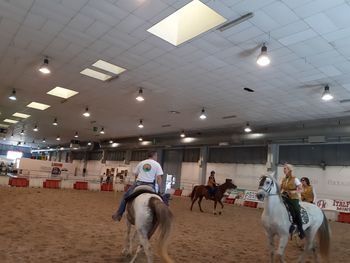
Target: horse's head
{"points": [[267, 186], [230, 184]]}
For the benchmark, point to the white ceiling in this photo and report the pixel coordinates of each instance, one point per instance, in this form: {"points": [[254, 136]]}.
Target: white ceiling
{"points": [[308, 43]]}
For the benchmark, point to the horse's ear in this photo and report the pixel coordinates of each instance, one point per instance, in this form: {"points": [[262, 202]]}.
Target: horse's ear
{"points": [[274, 175]]}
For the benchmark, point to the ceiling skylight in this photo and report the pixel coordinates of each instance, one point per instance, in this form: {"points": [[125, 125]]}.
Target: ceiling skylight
{"points": [[95, 74], [186, 23], [38, 106], [10, 121], [62, 92], [21, 115], [108, 67]]}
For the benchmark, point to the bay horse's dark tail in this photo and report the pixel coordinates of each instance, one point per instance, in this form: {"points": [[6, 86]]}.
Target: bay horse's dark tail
{"points": [[193, 192], [164, 220]]}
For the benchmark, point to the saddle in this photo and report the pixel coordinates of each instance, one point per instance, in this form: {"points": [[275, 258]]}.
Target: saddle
{"points": [[141, 189]]}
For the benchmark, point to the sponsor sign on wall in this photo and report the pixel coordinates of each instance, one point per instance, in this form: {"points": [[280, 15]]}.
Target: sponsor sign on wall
{"points": [[334, 205]]}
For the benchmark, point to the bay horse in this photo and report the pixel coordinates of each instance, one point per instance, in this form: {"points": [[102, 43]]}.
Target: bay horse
{"points": [[200, 191], [276, 221], [148, 212]]}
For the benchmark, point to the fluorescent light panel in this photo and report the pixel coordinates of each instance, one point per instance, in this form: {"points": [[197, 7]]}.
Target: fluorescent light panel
{"points": [[108, 67], [95, 74], [10, 121], [38, 106], [21, 115], [62, 92], [186, 23]]}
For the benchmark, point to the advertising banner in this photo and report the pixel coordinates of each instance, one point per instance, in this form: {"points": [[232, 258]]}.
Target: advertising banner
{"points": [[334, 205]]}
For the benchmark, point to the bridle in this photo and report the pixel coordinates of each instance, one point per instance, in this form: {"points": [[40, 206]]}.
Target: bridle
{"points": [[268, 189]]}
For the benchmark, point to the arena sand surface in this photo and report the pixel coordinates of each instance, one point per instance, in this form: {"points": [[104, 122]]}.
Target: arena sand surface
{"points": [[47, 225]]}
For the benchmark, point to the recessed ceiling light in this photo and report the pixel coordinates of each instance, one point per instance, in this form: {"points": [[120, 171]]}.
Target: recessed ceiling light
{"points": [[247, 128], [38, 106], [108, 67], [140, 124], [10, 121], [140, 95], [13, 95], [186, 23], [203, 116], [95, 74], [45, 67], [21, 115], [62, 92], [4, 125], [86, 113]]}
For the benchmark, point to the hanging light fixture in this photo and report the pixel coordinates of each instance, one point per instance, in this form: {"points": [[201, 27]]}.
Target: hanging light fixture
{"points": [[4, 138], [43, 140], [326, 96], [45, 67], [12, 134], [182, 134], [89, 143], [247, 128], [203, 116], [13, 95], [140, 95], [58, 138], [110, 141], [86, 113], [36, 128], [55, 123], [263, 59], [140, 124], [76, 135], [102, 131], [22, 132], [140, 139]]}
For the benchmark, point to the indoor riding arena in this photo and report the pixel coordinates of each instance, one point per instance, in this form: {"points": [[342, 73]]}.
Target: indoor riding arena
{"points": [[218, 130]]}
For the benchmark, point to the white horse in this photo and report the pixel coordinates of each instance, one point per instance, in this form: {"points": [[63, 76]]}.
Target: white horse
{"points": [[147, 211], [275, 220]]}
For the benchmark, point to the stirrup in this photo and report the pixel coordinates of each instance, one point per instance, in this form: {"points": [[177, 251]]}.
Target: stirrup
{"points": [[291, 230]]}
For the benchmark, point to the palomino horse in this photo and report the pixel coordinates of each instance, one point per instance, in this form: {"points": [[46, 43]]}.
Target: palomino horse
{"points": [[200, 191], [147, 212], [275, 220]]}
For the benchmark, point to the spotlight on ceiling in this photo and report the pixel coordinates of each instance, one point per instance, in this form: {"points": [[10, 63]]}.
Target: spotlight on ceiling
{"points": [[263, 59], [36, 128], [55, 123], [247, 128], [110, 141], [326, 96], [76, 135], [140, 139], [140, 95], [86, 113], [22, 132], [89, 143], [182, 134], [102, 131], [140, 124], [45, 67], [13, 95], [203, 116], [58, 138]]}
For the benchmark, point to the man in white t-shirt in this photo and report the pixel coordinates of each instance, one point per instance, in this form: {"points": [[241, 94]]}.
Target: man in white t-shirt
{"points": [[147, 172]]}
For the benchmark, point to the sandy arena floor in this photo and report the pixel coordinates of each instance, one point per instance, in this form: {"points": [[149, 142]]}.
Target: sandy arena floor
{"points": [[44, 225]]}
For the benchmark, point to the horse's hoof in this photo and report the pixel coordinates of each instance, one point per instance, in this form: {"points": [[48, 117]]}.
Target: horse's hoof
{"points": [[220, 213]]}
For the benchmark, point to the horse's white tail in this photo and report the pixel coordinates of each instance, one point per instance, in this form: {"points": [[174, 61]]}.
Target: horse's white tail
{"points": [[324, 237], [165, 219]]}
